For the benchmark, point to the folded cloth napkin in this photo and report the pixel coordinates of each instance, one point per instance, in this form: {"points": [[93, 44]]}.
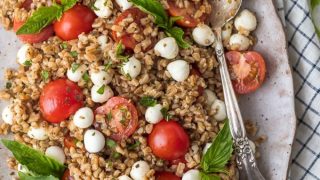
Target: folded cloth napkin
{"points": [[304, 55]]}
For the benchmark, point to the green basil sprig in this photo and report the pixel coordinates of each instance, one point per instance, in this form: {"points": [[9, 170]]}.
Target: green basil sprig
{"points": [[44, 16], [148, 101], [218, 155], [41, 166], [155, 8]]}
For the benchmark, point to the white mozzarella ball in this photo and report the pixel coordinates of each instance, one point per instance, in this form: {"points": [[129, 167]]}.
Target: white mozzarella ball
{"points": [[102, 40], [219, 108], [124, 4], [253, 146], [179, 70], [7, 115], [203, 35], [239, 42], [76, 75], [56, 153], [100, 77], [139, 170], [101, 94], [22, 55], [206, 147], [192, 174], [210, 96], [132, 68], [124, 177], [167, 48], [83, 118], [153, 114], [103, 8], [245, 22], [37, 133], [94, 141]]}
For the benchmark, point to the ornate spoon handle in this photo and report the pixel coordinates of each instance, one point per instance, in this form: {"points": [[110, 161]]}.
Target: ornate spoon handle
{"points": [[244, 156]]}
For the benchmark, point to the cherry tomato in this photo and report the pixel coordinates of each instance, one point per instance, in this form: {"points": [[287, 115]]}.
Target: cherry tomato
{"points": [[66, 175], [77, 20], [69, 142], [188, 20], [166, 176], [248, 70], [168, 140], [122, 116], [127, 39], [26, 5], [60, 99], [44, 35]]}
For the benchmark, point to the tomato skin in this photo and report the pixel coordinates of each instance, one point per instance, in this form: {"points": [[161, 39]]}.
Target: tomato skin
{"points": [[60, 99], [127, 39], [69, 142], [166, 176], [248, 70], [44, 35], [77, 20], [66, 175], [168, 140], [187, 20], [26, 5], [112, 106]]}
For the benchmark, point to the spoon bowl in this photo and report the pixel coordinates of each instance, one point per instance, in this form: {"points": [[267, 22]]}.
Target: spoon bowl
{"points": [[223, 11]]}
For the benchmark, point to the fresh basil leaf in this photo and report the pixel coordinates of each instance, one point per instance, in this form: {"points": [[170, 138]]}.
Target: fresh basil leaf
{"points": [[119, 53], [107, 66], [45, 75], [148, 101], [34, 160], [63, 45], [23, 176], [219, 152], [86, 77], [67, 4], [133, 146], [27, 63], [8, 85], [154, 8], [74, 67], [101, 89], [111, 143], [165, 114], [209, 176], [173, 19], [74, 53], [177, 34], [41, 18], [115, 155]]}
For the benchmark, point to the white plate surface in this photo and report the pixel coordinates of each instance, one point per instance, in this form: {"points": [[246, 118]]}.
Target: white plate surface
{"points": [[272, 107]]}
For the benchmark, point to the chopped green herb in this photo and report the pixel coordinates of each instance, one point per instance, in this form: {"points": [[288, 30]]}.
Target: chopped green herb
{"points": [[27, 63], [119, 53], [24, 176], [165, 114], [107, 66], [45, 75], [205, 176], [74, 53], [111, 143], [63, 45], [86, 77], [127, 75], [101, 89], [148, 101], [133, 146], [74, 67], [109, 116], [8, 85], [108, 4], [115, 155]]}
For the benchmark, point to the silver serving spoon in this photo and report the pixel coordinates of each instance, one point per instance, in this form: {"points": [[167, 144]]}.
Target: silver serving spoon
{"points": [[222, 12]]}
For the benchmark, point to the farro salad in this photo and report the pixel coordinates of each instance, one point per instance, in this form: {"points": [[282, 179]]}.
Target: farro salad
{"points": [[118, 89]]}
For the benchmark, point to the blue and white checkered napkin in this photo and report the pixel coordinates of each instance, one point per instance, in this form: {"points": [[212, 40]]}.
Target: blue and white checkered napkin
{"points": [[304, 54]]}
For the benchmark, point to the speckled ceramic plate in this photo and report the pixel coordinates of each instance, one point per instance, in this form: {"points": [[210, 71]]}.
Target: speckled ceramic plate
{"points": [[271, 108]]}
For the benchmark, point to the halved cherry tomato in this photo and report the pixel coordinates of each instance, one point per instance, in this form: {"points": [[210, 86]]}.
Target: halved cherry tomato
{"points": [[166, 176], [168, 140], [69, 142], [248, 70], [60, 99], [66, 175], [77, 20], [188, 20], [26, 5], [44, 35], [127, 39], [123, 116]]}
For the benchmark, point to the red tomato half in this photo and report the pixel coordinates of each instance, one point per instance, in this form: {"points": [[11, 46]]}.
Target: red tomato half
{"points": [[123, 116], [74, 21], [127, 39], [66, 175], [26, 5], [187, 14], [248, 70], [44, 35], [69, 142], [60, 99], [168, 140], [166, 176]]}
